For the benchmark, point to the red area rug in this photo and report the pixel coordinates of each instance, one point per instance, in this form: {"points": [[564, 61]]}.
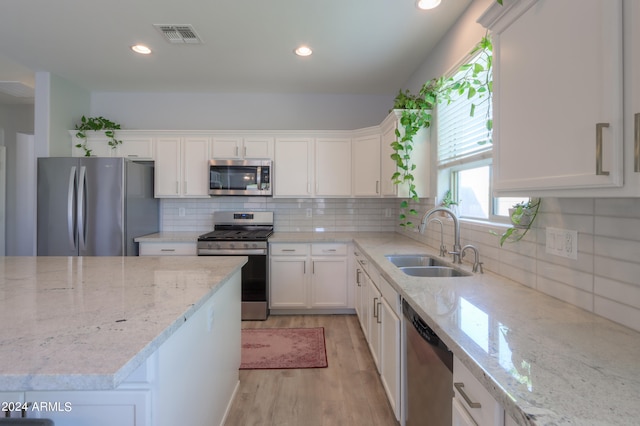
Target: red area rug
{"points": [[271, 348]]}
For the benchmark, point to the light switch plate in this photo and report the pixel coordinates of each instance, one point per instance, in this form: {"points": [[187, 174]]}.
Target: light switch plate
{"points": [[562, 242]]}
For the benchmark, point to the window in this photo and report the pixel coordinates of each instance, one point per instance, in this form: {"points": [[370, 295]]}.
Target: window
{"points": [[464, 146]]}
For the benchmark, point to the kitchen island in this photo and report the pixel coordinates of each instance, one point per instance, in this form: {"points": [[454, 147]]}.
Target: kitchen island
{"points": [[120, 340]]}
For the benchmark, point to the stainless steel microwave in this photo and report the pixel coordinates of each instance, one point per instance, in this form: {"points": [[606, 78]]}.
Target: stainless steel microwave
{"points": [[240, 177]]}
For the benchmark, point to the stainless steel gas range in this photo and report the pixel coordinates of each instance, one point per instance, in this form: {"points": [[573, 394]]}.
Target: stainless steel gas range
{"points": [[244, 234]]}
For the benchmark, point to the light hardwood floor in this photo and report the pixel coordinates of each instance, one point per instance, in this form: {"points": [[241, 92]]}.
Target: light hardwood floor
{"points": [[347, 392]]}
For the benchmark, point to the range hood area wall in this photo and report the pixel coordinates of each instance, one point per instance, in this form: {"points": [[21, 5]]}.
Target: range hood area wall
{"points": [[290, 215]]}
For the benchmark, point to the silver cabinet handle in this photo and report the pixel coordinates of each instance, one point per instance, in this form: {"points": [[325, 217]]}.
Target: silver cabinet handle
{"points": [[358, 272], [599, 171], [636, 142], [375, 303], [377, 187], [164, 249], [460, 388], [379, 320]]}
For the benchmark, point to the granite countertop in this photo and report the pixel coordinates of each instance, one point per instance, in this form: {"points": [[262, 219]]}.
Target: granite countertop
{"points": [[545, 361], [86, 323]]}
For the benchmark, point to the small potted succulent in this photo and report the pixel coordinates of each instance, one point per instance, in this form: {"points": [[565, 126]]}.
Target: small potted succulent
{"points": [[522, 216]]}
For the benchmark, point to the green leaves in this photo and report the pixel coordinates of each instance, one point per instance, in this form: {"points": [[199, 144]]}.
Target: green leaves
{"points": [[96, 124]]}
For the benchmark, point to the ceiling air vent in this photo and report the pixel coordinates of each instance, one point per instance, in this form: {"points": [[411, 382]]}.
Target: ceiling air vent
{"points": [[179, 33]]}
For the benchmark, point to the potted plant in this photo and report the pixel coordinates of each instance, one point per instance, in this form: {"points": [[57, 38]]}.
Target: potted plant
{"points": [[522, 216], [96, 124]]}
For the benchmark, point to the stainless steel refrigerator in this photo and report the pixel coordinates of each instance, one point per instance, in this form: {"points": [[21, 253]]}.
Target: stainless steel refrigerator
{"points": [[94, 206]]}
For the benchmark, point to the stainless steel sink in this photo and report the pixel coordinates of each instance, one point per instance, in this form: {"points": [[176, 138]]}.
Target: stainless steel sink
{"points": [[403, 260], [433, 271]]}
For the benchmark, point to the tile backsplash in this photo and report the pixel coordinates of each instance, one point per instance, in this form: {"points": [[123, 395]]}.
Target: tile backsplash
{"points": [[290, 215], [605, 278]]}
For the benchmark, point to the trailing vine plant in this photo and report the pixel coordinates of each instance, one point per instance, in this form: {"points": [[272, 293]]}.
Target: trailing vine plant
{"points": [[475, 82], [96, 124], [522, 216]]}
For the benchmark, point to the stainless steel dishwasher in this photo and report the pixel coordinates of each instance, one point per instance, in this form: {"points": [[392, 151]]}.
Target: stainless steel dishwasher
{"points": [[428, 374]]}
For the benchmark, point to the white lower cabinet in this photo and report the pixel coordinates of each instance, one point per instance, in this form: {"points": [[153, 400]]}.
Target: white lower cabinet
{"points": [[472, 403], [168, 249], [308, 276], [379, 312]]}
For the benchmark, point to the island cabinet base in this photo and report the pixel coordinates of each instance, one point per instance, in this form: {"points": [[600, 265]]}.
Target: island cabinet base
{"points": [[190, 379]]}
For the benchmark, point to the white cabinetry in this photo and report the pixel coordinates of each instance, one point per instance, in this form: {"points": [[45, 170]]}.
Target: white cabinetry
{"points": [[293, 166], [168, 249], [379, 311], [549, 135], [366, 166], [237, 147], [421, 156], [333, 167], [308, 276], [472, 403], [135, 145], [182, 167]]}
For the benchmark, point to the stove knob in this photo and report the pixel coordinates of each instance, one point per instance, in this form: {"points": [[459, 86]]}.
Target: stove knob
{"points": [[208, 245], [218, 246], [232, 246], [255, 245], [246, 245]]}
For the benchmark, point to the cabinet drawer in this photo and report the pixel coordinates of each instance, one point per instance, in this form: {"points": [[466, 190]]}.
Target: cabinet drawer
{"points": [[287, 249], [390, 295], [168, 249], [326, 249], [489, 412]]}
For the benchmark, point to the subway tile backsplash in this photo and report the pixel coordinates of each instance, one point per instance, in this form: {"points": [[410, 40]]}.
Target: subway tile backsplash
{"points": [[290, 215], [605, 279]]}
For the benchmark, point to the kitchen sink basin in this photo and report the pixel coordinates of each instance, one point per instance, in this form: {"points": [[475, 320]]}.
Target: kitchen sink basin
{"points": [[433, 271], [403, 260]]}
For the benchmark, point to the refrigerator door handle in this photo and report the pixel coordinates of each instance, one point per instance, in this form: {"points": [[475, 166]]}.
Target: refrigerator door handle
{"points": [[81, 207], [70, 209]]}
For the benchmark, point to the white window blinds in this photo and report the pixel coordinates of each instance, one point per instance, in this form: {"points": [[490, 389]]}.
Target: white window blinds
{"points": [[462, 137]]}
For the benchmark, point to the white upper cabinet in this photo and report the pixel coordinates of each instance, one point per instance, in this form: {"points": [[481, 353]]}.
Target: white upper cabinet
{"points": [[366, 166], [135, 145], [558, 104], [333, 167], [181, 167], [237, 147], [293, 174], [421, 157]]}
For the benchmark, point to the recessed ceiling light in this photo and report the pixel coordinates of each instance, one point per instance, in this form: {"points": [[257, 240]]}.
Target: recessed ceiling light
{"points": [[141, 48], [303, 51], [427, 4]]}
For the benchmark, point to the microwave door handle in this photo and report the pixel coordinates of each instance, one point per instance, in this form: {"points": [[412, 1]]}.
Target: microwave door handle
{"points": [[259, 177]]}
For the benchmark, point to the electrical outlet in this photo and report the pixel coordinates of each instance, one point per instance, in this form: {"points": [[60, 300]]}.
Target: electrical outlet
{"points": [[181, 211], [309, 212], [562, 242]]}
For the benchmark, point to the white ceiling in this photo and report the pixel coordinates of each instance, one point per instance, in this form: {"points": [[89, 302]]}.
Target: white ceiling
{"points": [[360, 46]]}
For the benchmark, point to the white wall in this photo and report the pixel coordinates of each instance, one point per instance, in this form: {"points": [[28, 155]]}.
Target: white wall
{"points": [[13, 119], [241, 111]]}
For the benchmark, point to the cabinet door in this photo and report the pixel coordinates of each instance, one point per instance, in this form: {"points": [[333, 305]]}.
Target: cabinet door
{"points": [[136, 147], [195, 170], [333, 167], [387, 165], [226, 147], [459, 416], [366, 166], [167, 168], [329, 282], [359, 277], [258, 148], [375, 326], [390, 371], [288, 283], [293, 172], [550, 106]]}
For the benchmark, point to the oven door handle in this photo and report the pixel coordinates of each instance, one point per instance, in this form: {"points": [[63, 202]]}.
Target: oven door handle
{"points": [[231, 252]]}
